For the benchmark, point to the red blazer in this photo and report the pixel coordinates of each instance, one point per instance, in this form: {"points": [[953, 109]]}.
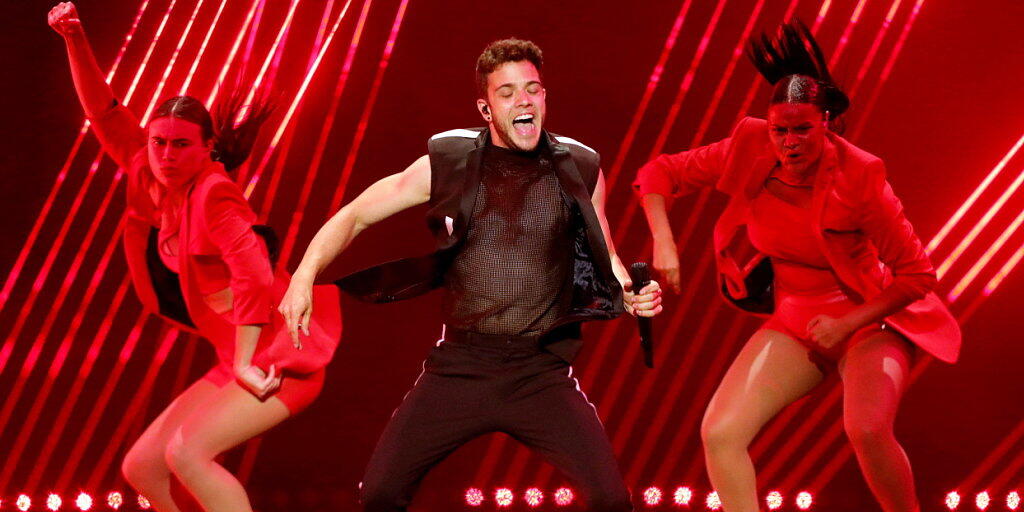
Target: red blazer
{"points": [[858, 220], [224, 270]]}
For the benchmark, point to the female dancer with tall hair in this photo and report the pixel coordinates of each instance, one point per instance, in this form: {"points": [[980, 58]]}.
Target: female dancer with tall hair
{"points": [[836, 265], [197, 260]]}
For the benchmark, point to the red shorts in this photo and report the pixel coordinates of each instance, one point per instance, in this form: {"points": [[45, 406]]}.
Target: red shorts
{"points": [[296, 391], [794, 311]]}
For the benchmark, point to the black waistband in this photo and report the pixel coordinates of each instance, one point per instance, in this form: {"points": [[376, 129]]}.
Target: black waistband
{"points": [[462, 337]]}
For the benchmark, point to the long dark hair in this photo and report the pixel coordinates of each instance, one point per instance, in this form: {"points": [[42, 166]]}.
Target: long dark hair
{"points": [[794, 63], [232, 141]]}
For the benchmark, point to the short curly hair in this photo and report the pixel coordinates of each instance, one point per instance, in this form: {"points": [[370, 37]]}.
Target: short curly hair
{"points": [[502, 51]]}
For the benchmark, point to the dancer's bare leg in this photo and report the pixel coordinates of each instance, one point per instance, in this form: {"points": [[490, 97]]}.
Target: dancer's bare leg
{"points": [[145, 467], [771, 371], [228, 419], [875, 373]]}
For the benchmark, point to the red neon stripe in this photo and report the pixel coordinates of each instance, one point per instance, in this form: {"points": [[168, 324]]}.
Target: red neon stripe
{"points": [[976, 230], [817, 415], [11, 398], [847, 33], [170, 65], [661, 417], [149, 53], [822, 12], [1003, 272], [274, 49], [993, 457], [834, 433], [294, 105], [632, 413], [321, 145], [1011, 471], [321, 32], [690, 423], [234, 50], [270, 64], [44, 457], [684, 87], [971, 274], [44, 213], [716, 99], [652, 85], [364, 121], [134, 410], [866, 112], [97, 409], [875, 45], [202, 49], [43, 274], [955, 219], [282, 158]]}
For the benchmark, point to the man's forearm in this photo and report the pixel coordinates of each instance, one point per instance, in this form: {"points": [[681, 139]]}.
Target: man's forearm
{"points": [[333, 238]]}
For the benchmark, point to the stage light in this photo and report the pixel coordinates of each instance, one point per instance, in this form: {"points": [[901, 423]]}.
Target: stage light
{"points": [[713, 501], [682, 496], [804, 500], [474, 497], [534, 497], [53, 502], [23, 503], [1013, 500], [774, 500], [115, 500], [652, 496], [144, 503], [953, 500], [564, 496], [981, 500], [83, 501], [503, 497]]}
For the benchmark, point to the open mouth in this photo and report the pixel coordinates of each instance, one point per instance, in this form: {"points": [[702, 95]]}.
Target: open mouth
{"points": [[523, 125]]}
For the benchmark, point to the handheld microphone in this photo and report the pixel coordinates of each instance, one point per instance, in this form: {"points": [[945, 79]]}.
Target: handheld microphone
{"points": [[640, 274]]}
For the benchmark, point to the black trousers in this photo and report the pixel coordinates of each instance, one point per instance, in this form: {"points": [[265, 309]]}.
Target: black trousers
{"points": [[474, 387]]}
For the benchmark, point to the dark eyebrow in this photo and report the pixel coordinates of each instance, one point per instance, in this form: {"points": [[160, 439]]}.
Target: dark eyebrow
{"points": [[510, 84]]}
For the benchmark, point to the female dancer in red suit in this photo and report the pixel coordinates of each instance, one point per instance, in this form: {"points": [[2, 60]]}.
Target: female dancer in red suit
{"points": [[196, 259], [836, 265]]}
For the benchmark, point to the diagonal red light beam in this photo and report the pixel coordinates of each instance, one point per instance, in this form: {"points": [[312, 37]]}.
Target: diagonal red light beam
{"points": [[371, 100], [307, 187]]}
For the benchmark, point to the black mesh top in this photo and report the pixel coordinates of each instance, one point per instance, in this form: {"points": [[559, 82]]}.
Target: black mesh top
{"points": [[512, 274]]}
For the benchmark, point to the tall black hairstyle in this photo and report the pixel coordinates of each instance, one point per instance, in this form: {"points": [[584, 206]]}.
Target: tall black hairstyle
{"points": [[795, 65]]}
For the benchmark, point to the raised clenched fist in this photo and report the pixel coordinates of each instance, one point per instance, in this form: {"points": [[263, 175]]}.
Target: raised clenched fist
{"points": [[63, 18]]}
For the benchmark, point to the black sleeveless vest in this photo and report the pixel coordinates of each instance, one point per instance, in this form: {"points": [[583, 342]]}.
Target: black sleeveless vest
{"points": [[455, 167]]}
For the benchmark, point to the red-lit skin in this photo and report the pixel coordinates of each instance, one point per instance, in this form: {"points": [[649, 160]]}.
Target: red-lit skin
{"points": [[177, 151], [797, 132], [514, 89]]}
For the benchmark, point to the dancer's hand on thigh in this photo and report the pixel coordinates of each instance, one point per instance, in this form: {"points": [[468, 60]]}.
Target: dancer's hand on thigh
{"points": [[828, 331], [253, 379]]}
